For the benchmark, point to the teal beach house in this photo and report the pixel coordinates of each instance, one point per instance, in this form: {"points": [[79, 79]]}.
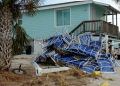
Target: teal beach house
{"points": [[78, 17]]}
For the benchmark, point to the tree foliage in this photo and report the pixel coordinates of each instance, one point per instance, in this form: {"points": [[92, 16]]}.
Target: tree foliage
{"points": [[17, 5], [117, 1], [20, 37]]}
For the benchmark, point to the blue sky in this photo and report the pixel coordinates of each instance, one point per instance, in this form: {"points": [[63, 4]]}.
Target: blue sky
{"points": [[111, 2]]}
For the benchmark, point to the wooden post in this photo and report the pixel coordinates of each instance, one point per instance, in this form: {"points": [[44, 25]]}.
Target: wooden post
{"points": [[106, 21], [116, 18], [83, 27], [118, 32], [106, 14], [101, 26], [77, 31], [112, 18], [113, 21]]}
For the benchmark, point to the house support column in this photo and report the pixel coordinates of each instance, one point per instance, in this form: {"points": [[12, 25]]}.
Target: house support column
{"points": [[106, 21], [106, 14], [113, 20], [112, 17], [116, 24], [116, 18]]}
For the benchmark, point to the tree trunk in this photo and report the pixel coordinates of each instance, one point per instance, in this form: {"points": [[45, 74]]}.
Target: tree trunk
{"points": [[5, 38]]}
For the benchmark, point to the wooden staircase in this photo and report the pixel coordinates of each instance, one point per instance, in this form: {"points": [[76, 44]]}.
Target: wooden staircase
{"points": [[97, 27]]}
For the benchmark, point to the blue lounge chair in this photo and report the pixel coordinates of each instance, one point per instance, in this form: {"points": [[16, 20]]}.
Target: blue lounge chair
{"points": [[105, 66], [86, 46], [105, 63], [90, 68], [57, 57]]}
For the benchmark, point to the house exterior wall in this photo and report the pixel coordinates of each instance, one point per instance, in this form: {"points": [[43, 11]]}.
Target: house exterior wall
{"points": [[99, 11], [42, 23]]}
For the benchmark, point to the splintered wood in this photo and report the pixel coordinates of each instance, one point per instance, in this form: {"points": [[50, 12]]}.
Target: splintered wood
{"points": [[5, 37]]}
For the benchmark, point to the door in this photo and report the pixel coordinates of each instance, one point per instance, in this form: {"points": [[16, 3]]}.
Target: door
{"points": [[93, 14]]}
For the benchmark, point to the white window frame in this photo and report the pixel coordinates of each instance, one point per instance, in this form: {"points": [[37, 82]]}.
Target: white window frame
{"points": [[21, 19], [55, 19]]}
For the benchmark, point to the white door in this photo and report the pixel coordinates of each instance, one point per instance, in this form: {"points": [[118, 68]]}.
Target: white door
{"points": [[93, 14], [93, 18]]}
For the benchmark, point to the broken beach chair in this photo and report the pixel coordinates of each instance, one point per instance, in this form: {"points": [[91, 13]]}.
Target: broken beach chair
{"points": [[48, 69], [106, 65], [45, 55], [40, 71], [86, 46], [59, 41], [90, 67]]}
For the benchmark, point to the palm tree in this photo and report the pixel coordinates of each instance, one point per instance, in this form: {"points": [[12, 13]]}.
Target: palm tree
{"points": [[117, 1], [10, 10]]}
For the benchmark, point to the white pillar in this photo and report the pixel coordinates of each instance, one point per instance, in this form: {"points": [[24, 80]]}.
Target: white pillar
{"points": [[107, 50], [112, 47]]}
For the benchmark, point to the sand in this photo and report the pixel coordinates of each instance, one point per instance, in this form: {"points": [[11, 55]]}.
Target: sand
{"points": [[113, 79]]}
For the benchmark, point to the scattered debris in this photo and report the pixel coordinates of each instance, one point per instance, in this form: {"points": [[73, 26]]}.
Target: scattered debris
{"points": [[105, 83], [96, 72], [19, 70], [64, 48]]}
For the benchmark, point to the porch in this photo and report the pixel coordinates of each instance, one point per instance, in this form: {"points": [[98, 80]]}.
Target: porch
{"points": [[100, 25], [97, 27]]}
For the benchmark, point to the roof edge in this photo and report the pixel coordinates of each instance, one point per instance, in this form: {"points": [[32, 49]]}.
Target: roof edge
{"points": [[107, 5], [67, 4], [64, 5]]}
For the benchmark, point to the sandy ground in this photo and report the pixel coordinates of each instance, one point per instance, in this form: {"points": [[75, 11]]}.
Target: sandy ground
{"points": [[51, 81], [23, 62], [113, 79]]}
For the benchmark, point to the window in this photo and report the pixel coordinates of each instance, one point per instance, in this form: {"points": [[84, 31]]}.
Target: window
{"points": [[62, 17], [20, 21]]}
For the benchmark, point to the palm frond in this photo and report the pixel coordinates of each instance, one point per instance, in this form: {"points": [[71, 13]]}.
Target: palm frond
{"points": [[17, 5], [30, 8], [20, 39], [4, 3], [117, 1]]}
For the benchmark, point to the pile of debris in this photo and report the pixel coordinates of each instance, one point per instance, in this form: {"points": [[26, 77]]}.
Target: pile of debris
{"points": [[96, 55]]}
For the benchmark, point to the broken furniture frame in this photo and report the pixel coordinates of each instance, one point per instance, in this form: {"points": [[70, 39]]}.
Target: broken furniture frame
{"points": [[40, 71]]}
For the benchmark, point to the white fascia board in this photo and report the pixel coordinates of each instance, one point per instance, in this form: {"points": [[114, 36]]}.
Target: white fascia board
{"points": [[64, 5], [99, 3], [61, 5], [114, 8]]}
